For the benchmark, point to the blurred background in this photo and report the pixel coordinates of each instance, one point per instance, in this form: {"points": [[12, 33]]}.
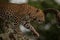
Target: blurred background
{"points": [[48, 30]]}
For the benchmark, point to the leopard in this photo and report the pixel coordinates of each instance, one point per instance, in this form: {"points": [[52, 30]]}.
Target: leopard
{"points": [[12, 15]]}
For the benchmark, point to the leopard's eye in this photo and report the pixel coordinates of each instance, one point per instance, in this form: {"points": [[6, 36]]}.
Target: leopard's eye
{"points": [[37, 10]]}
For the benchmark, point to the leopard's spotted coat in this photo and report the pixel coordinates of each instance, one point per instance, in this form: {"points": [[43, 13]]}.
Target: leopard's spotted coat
{"points": [[14, 14]]}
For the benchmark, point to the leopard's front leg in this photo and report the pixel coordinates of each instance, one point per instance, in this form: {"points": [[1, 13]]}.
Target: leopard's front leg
{"points": [[29, 26]]}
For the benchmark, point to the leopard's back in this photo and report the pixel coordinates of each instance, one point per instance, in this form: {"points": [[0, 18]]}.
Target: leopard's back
{"points": [[21, 9]]}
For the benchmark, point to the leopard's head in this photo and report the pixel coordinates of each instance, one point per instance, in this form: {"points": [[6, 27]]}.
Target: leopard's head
{"points": [[37, 16]]}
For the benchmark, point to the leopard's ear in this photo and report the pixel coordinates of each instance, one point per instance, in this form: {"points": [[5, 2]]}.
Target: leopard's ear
{"points": [[37, 10]]}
